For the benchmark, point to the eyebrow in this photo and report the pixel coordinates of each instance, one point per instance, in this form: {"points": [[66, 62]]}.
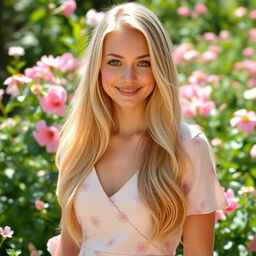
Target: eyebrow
{"points": [[121, 57]]}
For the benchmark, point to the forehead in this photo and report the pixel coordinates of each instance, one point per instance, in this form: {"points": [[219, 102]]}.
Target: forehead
{"points": [[125, 41]]}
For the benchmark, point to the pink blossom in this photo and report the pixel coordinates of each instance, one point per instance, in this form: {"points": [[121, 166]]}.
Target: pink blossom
{"points": [[208, 56], [250, 94], [49, 62], [188, 109], [246, 190], [46, 136], [35, 253], [250, 65], [232, 200], [1, 94], [252, 245], [216, 142], [93, 18], [214, 48], [194, 15], [54, 101], [248, 51], [252, 34], [67, 62], [6, 232], [198, 77], [180, 51], [52, 244], [14, 84], [209, 36], [205, 108], [252, 82], [183, 11], [253, 14], [224, 34], [201, 9], [253, 151], [31, 247], [16, 51], [240, 12], [40, 73], [190, 55], [219, 215], [39, 205], [244, 120], [68, 8], [213, 79]]}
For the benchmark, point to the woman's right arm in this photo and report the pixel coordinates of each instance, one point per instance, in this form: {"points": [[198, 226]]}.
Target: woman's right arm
{"points": [[66, 245]]}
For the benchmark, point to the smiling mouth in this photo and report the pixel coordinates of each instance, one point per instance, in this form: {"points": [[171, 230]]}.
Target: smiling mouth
{"points": [[128, 92]]}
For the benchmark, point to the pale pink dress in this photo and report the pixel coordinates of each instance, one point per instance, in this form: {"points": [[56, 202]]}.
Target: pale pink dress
{"points": [[121, 225]]}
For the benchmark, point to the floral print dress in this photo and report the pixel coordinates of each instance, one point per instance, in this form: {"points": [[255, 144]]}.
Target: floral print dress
{"points": [[120, 225]]}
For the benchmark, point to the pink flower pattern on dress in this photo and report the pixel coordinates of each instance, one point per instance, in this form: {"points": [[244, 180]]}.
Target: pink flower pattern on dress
{"points": [[201, 207], [196, 141], [186, 187], [98, 253], [111, 242], [85, 186], [141, 247], [121, 216], [95, 221]]}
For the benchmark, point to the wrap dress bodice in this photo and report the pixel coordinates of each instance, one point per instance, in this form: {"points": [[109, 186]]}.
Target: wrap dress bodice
{"points": [[121, 225]]}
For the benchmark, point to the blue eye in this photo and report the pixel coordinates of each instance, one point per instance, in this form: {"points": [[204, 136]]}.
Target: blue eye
{"points": [[114, 63], [144, 64]]}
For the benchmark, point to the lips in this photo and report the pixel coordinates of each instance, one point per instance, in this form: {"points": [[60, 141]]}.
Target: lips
{"points": [[128, 88]]}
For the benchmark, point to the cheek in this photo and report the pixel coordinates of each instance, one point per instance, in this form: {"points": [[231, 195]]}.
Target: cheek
{"points": [[108, 77]]}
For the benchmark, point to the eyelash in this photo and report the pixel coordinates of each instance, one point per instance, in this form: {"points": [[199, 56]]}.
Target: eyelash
{"points": [[119, 63]]}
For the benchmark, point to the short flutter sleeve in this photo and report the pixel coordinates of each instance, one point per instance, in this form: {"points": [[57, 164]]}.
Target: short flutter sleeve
{"points": [[201, 185]]}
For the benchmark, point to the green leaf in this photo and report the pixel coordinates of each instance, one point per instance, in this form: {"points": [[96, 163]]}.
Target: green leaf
{"points": [[11, 70], [37, 15]]}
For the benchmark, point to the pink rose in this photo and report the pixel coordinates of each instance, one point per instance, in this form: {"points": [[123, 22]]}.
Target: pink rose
{"points": [[253, 151], [201, 9], [219, 215], [39, 205], [54, 101], [67, 62], [183, 11], [68, 8], [47, 136], [252, 245], [6, 232]]}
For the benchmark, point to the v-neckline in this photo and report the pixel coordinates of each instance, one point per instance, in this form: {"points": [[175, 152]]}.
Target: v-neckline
{"points": [[120, 189]]}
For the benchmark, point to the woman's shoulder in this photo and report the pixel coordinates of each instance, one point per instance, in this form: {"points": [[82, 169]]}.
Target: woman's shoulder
{"points": [[189, 131]]}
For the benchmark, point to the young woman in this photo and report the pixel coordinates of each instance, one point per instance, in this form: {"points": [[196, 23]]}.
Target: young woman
{"points": [[134, 179]]}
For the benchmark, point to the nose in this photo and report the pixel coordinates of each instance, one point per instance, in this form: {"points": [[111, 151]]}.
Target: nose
{"points": [[129, 74]]}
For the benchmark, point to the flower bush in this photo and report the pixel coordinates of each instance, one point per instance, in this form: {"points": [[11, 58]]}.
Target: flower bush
{"points": [[214, 50]]}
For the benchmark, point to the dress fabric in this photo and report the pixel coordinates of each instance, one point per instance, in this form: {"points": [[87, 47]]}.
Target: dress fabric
{"points": [[120, 225]]}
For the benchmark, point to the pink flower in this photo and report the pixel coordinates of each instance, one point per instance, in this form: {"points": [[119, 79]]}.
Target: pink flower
{"points": [[68, 8], [180, 51], [198, 77], [52, 244], [35, 253], [201, 9], [16, 51], [209, 36], [49, 62], [141, 248], [216, 142], [232, 200], [190, 55], [244, 120], [39, 205], [93, 18], [252, 82], [208, 56], [213, 79], [252, 245], [219, 215], [224, 34], [46, 136], [54, 101], [248, 51], [183, 11], [14, 84], [31, 247], [252, 34], [253, 14], [253, 151], [240, 12], [250, 94], [67, 62], [1, 93], [205, 108], [39, 73], [6, 232]]}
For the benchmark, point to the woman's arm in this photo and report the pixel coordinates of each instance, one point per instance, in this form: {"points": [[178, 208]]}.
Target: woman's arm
{"points": [[198, 235], [66, 246]]}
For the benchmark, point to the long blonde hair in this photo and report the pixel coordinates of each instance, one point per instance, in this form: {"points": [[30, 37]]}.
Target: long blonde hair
{"points": [[89, 124]]}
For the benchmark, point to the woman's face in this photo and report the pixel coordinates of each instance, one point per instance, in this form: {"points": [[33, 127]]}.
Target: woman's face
{"points": [[126, 72]]}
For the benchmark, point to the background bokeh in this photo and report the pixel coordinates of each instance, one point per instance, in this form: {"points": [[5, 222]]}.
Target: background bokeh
{"points": [[214, 49]]}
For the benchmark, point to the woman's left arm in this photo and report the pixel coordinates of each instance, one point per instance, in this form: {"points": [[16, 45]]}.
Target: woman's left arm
{"points": [[198, 235]]}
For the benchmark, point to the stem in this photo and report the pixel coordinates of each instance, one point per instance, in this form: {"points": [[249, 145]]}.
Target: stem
{"points": [[3, 238], [2, 109]]}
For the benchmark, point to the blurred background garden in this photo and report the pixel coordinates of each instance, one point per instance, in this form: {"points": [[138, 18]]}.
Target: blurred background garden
{"points": [[41, 45]]}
